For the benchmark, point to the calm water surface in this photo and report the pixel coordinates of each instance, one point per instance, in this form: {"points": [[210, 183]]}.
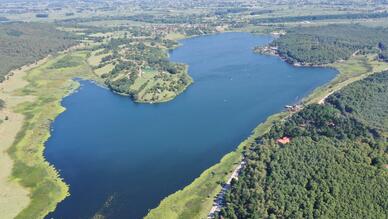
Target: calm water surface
{"points": [[121, 158]]}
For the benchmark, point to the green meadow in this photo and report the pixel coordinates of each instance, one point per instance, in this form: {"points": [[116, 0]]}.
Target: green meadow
{"points": [[48, 83]]}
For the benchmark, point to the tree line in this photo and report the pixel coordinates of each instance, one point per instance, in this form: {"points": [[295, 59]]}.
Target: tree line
{"points": [[23, 43], [327, 44]]}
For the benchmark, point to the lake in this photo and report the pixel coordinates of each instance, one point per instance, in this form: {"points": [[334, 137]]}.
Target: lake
{"points": [[121, 158]]}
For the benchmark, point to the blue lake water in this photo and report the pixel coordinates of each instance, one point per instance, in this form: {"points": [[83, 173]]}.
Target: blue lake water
{"points": [[121, 158]]}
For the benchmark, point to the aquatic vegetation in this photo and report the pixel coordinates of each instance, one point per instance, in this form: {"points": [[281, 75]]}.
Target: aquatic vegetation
{"points": [[48, 85]]}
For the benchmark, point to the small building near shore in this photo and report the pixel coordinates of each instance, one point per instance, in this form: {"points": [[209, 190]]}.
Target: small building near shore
{"points": [[293, 108]]}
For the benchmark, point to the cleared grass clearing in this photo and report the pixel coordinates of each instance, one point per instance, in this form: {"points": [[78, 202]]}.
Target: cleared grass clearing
{"points": [[175, 36], [48, 85], [103, 70], [95, 57], [152, 86], [144, 78]]}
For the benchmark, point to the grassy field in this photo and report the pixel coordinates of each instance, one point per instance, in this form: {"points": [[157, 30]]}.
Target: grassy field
{"points": [[48, 84], [195, 200], [175, 36], [95, 57], [13, 197], [104, 69]]}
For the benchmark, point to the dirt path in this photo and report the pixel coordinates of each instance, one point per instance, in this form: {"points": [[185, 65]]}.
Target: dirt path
{"points": [[322, 101], [217, 205]]}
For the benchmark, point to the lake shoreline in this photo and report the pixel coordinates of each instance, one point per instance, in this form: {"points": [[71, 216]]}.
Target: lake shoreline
{"points": [[16, 197], [318, 95], [232, 159], [253, 59], [15, 149], [57, 177], [273, 51], [21, 193]]}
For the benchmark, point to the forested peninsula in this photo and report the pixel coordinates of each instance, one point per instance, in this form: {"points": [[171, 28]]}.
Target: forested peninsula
{"points": [[327, 44]]}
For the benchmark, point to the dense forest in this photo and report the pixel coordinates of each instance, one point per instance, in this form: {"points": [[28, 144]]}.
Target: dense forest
{"points": [[327, 44], [24, 43], [335, 165], [366, 100]]}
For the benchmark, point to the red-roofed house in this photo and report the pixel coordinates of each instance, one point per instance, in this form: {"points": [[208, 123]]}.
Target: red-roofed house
{"points": [[284, 140]]}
